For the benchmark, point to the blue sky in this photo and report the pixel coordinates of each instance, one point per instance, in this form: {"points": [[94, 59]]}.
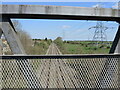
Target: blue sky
{"points": [[68, 29], [76, 4]]}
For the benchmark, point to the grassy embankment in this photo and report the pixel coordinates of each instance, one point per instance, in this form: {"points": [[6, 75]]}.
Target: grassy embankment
{"points": [[82, 47], [40, 46], [85, 47]]}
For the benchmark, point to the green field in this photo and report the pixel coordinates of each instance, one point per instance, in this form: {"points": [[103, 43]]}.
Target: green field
{"points": [[79, 49], [84, 47], [71, 47]]}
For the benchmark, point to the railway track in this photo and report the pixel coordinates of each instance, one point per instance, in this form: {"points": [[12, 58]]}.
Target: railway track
{"points": [[55, 73]]}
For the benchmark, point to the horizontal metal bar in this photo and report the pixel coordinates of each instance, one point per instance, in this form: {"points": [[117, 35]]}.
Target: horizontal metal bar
{"points": [[59, 56], [60, 17]]}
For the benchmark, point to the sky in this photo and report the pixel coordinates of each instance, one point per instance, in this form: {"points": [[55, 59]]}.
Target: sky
{"points": [[67, 29], [59, 0], [76, 4]]}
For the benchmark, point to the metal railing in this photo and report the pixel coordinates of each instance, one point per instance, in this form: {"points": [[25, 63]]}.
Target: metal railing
{"points": [[61, 71]]}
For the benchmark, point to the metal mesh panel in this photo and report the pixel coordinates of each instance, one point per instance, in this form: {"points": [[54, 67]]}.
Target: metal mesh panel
{"points": [[65, 72]]}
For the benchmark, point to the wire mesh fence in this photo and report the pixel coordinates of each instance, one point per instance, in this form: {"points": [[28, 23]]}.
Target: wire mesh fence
{"points": [[60, 71]]}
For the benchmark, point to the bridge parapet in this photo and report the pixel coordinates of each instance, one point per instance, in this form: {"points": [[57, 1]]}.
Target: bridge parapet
{"points": [[17, 10], [62, 71]]}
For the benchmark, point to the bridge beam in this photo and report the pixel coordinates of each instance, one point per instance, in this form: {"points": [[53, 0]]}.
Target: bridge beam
{"points": [[116, 43], [17, 48], [11, 37], [117, 50], [0, 32], [1, 42], [58, 12]]}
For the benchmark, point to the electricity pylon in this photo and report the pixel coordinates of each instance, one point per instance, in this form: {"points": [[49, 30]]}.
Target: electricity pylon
{"points": [[100, 35]]}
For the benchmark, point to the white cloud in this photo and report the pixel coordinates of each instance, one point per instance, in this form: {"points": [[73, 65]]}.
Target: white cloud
{"points": [[98, 6], [115, 6], [80, 30], [66, 26]]}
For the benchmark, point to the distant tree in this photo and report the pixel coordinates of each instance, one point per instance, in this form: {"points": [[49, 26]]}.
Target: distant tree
{"points": [[31, 46], [24, 37], [59, 42], [46, 39]]}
